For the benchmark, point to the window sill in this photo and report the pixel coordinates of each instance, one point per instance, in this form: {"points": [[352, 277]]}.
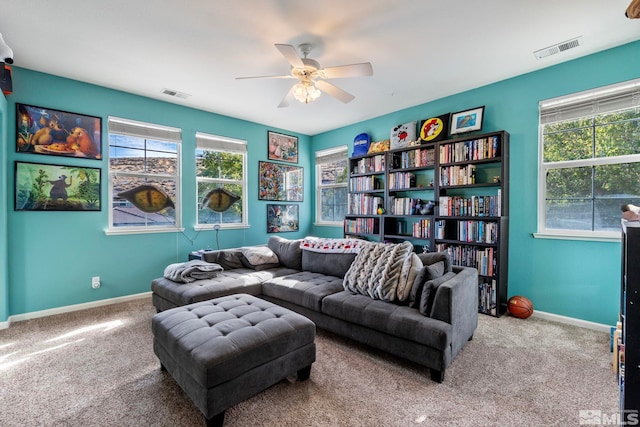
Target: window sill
{"points": [[328, 224], [594, 237], [116, 232], [222, 227]]}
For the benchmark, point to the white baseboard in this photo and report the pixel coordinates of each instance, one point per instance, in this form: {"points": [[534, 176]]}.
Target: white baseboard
{"points": [[572, 321], [70, 308]]}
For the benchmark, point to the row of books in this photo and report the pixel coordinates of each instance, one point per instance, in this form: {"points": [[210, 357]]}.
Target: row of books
{"points": [[458, 175], [415, 158], [476, 149], [370, 164], [487, 297], [482, 259], [362, 225], [422, 229], [402, 205], [470, 206], [401, 180], [467, 231], [363, 204], [364, 183]]}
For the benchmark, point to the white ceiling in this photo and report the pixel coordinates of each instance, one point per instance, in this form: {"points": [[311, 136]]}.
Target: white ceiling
{"points": [[420, 50]]}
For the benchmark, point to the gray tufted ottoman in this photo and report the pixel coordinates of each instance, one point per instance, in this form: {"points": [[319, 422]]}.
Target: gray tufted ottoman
{"points": [[228, 349]]}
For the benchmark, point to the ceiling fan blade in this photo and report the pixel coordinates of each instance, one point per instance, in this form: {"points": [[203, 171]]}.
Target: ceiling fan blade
{"points": [[334, 91], [266, 77], [291, 54], [352, 70], [287, 99]]}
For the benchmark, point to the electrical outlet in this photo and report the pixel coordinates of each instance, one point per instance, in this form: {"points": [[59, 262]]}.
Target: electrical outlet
{"points": [[95, 282]]}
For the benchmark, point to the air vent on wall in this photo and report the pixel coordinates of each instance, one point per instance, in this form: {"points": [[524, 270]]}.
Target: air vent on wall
{"points": [[175, 93], [558, 48]]}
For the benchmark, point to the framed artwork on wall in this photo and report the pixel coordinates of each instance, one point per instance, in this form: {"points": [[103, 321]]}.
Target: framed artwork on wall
{"points": [[44, 187], [282, 218], [280, 182], [467, 121], [282, 147], [59, 133]]}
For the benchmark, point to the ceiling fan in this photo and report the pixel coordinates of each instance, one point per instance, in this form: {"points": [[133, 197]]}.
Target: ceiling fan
{"points": [[312, 79]]}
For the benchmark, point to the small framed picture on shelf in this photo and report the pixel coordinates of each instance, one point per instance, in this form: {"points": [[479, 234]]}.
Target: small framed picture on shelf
{"points": [[467, 121], [282, 147]]}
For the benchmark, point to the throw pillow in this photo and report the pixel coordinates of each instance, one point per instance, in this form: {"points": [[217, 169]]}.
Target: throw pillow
{"points": [[259, 257], [428, 272], [288, 251], [429, 292], [375, 272], [410, 270]]}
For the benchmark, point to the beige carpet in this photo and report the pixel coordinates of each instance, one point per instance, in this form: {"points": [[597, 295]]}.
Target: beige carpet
{"points": [[97, 368]]}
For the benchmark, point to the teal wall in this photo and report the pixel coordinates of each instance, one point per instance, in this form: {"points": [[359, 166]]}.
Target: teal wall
{"points": [[53, 255], [579, 279], [4, 284]]}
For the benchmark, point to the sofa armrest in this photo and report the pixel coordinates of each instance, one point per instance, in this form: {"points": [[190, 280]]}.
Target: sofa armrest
{"points": [[456, 302]]}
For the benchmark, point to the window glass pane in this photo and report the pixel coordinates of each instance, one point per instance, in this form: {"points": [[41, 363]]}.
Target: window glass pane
{"points": [[233, 215], [131, 154], [334, 172], [569, 183], [127, 213], [334, 204], [217, 164], [568, 141], [569, 214], [618, 137]]}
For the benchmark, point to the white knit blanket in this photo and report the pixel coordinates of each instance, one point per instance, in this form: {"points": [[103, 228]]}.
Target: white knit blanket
{"points": [[377, 269], [187, 272]]}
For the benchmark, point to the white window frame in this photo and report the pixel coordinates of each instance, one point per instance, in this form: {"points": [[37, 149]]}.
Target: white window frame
{"points": [[156, 132], [328, 156], [210, 142], [588, 103]]}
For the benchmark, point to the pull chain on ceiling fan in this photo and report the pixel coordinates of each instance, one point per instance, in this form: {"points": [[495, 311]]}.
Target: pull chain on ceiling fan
{"points": [[312, 79]]}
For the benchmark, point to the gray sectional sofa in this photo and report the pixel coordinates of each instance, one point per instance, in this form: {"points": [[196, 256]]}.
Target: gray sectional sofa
{"points": [[427, 318]]}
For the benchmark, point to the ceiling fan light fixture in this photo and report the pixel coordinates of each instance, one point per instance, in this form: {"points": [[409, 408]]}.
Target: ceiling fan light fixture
{"points": [[306, 92]]}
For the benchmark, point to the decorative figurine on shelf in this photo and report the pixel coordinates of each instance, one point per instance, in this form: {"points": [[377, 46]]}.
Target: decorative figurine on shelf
{"points": [[430, 183], [496, 179], [380, 210]]}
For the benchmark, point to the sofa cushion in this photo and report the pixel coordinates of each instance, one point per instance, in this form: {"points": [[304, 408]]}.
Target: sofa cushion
{"points": [[429, 258], [397, 320], [227, 258], [428, 272], [429, 292], [240, 280], [327, 263], [288, 251], [259, 257], [304, 288]]}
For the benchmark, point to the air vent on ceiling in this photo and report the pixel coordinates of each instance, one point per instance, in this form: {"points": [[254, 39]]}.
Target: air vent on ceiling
{"points": [[558, 48], [175, 93]]}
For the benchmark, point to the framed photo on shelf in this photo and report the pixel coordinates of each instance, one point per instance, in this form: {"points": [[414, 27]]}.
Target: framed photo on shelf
{"points": [[44, 187], [282, 218], [58, 133], [280, 182], [282, 147], [466, 121]]}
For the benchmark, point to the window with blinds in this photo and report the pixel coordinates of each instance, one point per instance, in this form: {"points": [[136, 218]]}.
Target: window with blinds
{"points": [[589, 160], [332, 175], [221, 181], [144, 177]]}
